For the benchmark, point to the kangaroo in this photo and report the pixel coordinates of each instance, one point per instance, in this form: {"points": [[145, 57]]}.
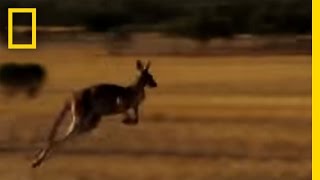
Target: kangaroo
{"points": [[88, 105]]}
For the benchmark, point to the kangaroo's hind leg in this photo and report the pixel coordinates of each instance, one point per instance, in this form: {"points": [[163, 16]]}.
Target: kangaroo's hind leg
{"points": [[90, 122], [51, 139], [72, 131], [45, 152], [78, 126]]}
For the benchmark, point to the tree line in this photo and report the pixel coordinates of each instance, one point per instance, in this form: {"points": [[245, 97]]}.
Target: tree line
{"points": [[198, 19]]}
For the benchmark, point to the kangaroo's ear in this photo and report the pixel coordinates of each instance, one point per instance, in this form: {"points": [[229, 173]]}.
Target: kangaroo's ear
{"points": [[139, 65], [148, 65]]}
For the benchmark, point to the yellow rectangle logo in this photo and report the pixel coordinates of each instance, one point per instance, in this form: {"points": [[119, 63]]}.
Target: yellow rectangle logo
{"points": [[33, 44]]}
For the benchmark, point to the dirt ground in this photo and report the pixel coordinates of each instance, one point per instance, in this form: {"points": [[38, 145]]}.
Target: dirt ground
{"points": [[212, 117]]}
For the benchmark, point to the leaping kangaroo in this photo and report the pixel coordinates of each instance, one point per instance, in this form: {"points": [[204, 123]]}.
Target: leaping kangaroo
{"points": [[88, 105]]}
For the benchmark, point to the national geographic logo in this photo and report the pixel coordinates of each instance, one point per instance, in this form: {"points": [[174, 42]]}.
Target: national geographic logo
{"points": [[11, 12]]}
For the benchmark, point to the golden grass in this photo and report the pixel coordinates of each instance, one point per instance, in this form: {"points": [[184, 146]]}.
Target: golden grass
{"points": [[210, 118]]}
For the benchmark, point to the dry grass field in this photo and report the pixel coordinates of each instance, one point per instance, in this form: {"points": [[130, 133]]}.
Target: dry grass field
{"points": [[224, 118]]}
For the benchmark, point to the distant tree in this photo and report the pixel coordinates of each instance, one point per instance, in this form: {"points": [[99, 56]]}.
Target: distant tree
{"points": [[105, 21], [203, 27], [4, 22], [151, 11], [203, 19]]}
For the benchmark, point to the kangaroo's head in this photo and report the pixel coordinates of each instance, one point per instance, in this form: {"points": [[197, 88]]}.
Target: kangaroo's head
{"points": [[146, 78]]}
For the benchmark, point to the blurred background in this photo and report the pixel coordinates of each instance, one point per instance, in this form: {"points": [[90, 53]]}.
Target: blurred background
{"points": [[234, 95]]}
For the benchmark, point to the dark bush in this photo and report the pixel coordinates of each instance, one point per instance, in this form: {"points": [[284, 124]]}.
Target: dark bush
{"points": [[27, 77]]}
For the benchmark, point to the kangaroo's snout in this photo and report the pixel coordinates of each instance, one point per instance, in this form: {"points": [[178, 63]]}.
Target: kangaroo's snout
{"points": [[153, 84]]}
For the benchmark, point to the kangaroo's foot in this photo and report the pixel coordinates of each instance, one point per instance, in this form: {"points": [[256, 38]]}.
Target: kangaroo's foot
{"points": [[39, 158], [130, 121]]}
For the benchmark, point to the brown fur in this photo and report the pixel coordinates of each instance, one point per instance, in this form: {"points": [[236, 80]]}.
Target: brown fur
{"points": [[88, 105]]}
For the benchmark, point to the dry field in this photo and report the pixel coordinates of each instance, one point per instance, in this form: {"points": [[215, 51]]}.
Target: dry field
{"points": [[221, 118]]}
